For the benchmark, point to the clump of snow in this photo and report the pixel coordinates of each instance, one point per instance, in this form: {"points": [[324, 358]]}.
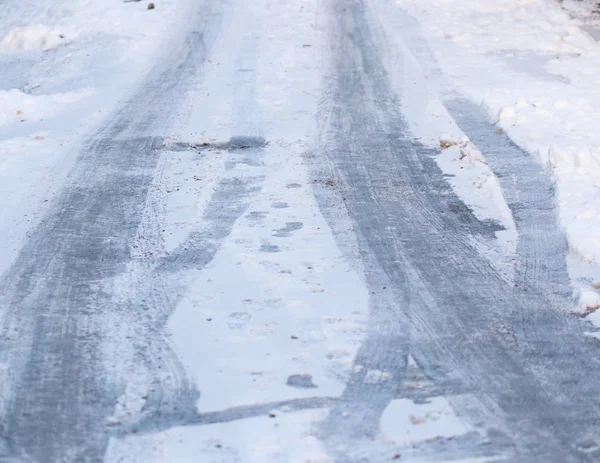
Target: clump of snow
{"points": [[38, 37], [280, 437], [583, 9], [589, 300]]}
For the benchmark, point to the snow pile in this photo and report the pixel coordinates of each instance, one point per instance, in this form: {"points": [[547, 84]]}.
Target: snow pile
{"points": [[64, 67], [506, 25], [29, 38], [534, 67]]}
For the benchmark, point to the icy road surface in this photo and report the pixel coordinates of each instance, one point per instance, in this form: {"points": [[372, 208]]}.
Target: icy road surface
{"points": [[257, 257]]}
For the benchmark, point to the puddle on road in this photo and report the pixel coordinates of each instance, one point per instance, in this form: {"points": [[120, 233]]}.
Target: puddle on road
{"points": [[234, 144]]}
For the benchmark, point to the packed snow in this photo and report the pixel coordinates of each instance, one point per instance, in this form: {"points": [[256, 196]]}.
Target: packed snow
{"points": [[533, 65]]}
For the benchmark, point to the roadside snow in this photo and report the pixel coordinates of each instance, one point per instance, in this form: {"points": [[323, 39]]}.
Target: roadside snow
{"points": [[64, 67], [19, 107], [423, 90], [534, 68]]}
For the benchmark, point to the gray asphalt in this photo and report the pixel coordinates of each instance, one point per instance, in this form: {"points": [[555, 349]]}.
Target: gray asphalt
{"points": [[511, 359]]}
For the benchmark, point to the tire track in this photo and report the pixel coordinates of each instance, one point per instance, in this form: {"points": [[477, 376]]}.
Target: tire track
{"points": [[523, 358], [530, 194], [156, 286], [527, 185], [57, 296]]}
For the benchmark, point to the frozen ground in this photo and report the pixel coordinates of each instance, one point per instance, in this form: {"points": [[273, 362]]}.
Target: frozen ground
{"points": [[316, 231]]}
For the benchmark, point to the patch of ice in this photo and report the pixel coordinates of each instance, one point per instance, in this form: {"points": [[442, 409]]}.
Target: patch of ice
{"points": [[281, 437], [405, 422]]}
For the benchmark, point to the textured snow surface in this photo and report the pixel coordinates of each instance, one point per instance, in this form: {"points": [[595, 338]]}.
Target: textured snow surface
{"points": [[279, 311], [533, 65], [64, 65]]}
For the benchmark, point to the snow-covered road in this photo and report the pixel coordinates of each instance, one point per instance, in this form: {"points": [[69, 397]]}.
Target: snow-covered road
{"points": [[277, 232]]}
